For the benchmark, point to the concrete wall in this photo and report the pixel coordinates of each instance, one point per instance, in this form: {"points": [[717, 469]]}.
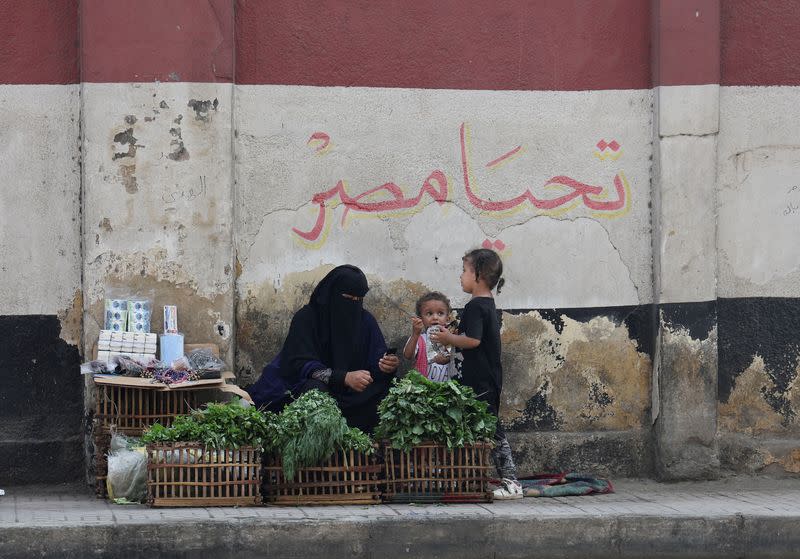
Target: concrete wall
{"points": [[632, 162], [685, 65], [41, 401], [758, 193]]}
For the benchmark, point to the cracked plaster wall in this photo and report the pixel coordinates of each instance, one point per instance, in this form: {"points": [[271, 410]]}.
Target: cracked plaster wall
{"points": [[158, 204], [684, 381], [758, 192]]}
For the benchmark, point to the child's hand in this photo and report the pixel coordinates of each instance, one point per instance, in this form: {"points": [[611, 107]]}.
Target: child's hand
{"points": [[441, 358], [441, 337], [416, 325]]}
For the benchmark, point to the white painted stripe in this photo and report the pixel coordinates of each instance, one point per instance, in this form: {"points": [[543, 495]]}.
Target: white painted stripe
{"points": [[40, 261], [687, 109], [758, 192]]}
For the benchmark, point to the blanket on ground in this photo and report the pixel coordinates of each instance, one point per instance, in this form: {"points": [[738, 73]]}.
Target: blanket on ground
{"points": [[563, 485]]}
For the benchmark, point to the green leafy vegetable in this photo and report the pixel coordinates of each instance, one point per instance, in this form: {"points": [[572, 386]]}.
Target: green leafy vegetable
{"points": [[418, 410], [217, 426], [305, 433], [310, 429]]}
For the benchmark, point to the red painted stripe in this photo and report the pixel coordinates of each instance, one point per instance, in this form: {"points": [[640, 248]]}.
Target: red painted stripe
{"points": [[760, 42], [164, 40], [39, 42], [686, 42], [460, 44]]}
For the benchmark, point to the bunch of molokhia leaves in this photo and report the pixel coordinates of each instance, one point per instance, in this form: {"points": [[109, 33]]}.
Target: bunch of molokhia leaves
{"points": [[419, 410], [217, 426], [310, 429]]}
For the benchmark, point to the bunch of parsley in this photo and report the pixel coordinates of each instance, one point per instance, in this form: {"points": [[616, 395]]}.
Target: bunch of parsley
{"points": [[310, 429], [419, 410], [217, 426]]}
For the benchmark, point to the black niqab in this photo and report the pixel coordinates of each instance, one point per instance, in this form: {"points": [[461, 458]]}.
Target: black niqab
{"points": [[328, 328]]}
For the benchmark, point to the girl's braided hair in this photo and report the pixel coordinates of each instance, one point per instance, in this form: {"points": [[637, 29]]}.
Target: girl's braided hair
{"points": [[487, 265]]}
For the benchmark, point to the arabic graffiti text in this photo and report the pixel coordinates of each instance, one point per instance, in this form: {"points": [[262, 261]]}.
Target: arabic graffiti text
{"points": [[571, 194]]}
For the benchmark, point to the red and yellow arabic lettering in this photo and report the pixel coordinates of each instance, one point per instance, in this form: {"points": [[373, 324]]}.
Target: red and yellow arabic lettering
{"points": [[437, 187]]}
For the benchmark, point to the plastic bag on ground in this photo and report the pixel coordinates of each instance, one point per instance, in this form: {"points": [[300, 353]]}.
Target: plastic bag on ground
{"points": [[127, 470]]}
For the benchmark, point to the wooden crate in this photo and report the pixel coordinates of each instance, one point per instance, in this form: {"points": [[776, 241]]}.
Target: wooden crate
{"points": [[130, 410], [190, 475], [346, 478], [432, 473], [102, 442]]}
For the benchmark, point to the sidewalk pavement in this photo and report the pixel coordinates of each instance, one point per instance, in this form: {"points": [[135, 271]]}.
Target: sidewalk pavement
{"points": [[734, 518]]}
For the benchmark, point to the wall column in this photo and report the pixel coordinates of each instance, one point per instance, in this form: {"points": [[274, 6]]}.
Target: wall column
{"points": [[686, 81]]}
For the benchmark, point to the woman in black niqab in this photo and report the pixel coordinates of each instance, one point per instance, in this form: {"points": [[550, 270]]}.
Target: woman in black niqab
{"points": [[327, 329], [333, 345]]}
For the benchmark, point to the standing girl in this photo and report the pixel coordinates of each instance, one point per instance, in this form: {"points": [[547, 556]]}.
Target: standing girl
{"points": [[480, 345]]}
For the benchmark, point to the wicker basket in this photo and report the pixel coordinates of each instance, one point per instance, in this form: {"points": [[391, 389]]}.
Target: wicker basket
{"points": [[432, 473], [190, 475], [102, 442], [131, 409], [346, 478]]}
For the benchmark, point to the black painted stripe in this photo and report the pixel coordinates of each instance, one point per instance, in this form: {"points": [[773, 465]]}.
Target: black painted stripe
{"points": [[765, 326], [41, 403], [699, 318]]}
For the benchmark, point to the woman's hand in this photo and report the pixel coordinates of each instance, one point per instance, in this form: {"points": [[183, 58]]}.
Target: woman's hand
{"points": [[388, 364], [358, 380], [416, 325]]}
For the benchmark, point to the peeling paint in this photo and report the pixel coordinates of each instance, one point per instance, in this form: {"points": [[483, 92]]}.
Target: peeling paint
{"points": [[685, 427], [201, 108], [127, 175], [71, 320], [590, 376], [748, 411], [125, 138], [179, 151], [199, 317], [789, 462]]}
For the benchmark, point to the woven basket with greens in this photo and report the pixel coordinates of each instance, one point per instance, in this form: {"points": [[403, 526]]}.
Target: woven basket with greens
{"points": [[418, 410]]}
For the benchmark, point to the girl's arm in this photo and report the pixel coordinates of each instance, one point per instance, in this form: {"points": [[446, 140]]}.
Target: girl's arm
{"points": [[458, 340]]}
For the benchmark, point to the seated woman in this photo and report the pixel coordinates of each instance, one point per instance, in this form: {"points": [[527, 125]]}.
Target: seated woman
{"points": [[333, 345]]}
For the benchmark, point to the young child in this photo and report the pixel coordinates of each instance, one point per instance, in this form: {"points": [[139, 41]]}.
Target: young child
{"points": [[431, 359], [480, 345]]}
